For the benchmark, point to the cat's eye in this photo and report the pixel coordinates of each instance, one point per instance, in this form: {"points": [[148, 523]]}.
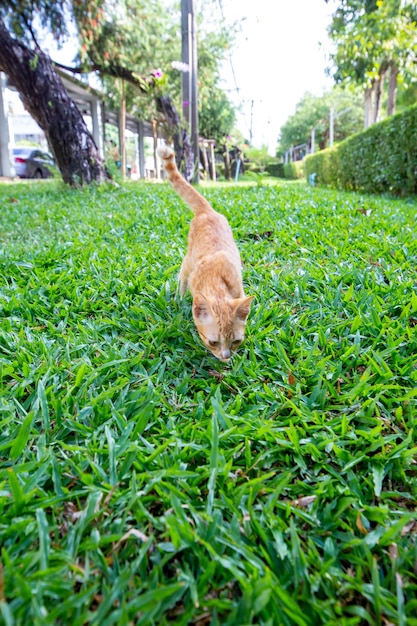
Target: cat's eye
{"points": [[213, 344], [236, 343]]}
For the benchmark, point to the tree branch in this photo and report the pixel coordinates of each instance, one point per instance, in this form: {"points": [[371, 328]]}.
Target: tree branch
{"points": [[143, 83], [164, 104]]}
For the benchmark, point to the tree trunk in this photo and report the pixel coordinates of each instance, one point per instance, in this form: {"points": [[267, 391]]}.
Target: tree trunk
{"points": [[205, 159], [212, 161], [377, 101], [122, 131], [392, 88], [226, 154], [368, 106], [378, 91], [155, 146], [46, 99], [182, 145]]}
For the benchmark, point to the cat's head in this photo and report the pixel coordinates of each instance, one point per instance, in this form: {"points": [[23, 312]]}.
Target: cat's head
{"points": [[221, 323]]}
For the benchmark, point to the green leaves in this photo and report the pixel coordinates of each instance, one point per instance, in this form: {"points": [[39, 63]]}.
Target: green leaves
{"points": [[142, 480], [22, 437], [371, 35], [313, 112]]}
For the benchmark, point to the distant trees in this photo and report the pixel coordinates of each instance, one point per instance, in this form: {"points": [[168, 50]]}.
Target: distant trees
{"points": [[313, 112], [375, 51], [376, 43]]}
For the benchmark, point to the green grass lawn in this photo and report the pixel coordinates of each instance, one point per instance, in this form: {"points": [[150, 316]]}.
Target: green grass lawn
{"points": [[144, 482]]}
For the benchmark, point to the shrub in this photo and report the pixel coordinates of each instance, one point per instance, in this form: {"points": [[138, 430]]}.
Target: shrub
{"points": [[324, 166], [382, 158], [275, 169], [293, 170], [257, 158], [250, 166], [220, 170]]}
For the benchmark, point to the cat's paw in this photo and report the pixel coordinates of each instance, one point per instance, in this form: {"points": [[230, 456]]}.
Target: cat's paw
{"points": [[165, 152]]}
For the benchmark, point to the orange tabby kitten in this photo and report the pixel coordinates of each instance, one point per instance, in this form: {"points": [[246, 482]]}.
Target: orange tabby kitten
{"points": [[211, 270]]}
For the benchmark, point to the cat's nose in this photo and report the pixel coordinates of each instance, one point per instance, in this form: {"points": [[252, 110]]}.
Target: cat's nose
{"points": [[226, 354]]}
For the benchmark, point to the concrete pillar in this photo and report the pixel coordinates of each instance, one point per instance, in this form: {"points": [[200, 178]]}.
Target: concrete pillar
{"points": [[141, 136], [313, 140], [213, 160], [137, 160], [97, 125], [103, 125], [6, 154]]}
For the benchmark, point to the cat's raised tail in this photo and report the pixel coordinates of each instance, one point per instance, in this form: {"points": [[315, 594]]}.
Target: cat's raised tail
{"points": [[195, 201]]}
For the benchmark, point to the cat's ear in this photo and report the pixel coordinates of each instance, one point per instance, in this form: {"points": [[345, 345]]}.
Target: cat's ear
{"points": [[201, 307], [243, 307]]}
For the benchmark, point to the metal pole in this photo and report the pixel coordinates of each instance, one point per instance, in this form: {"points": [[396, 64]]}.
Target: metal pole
{"points": [[123, 131], [331, 131], [194, 96], [141, 138], [6, 156], [251, 122], [189, 81], [185, 57], [95, 120], [237, 170]]}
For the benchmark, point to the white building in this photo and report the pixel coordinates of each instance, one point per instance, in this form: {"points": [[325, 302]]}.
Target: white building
{"points": [[17, 125]]}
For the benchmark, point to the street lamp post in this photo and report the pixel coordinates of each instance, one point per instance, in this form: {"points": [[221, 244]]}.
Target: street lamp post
{"points": [[334, 116], [189, 79], [313, 140]]}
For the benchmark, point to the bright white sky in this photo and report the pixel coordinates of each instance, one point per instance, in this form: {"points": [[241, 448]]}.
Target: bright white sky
{"points": [[280, 54]]}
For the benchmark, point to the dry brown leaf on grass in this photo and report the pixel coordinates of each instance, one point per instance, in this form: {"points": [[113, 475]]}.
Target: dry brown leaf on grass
{"points": [[131, 532], [304, 501], [216, 374], [360, 525], [393, 552], [410, 527], [366, 212], [291, 378]]}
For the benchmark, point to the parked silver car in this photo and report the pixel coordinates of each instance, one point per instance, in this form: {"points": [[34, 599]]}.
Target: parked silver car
{"points": [[32, 163]]}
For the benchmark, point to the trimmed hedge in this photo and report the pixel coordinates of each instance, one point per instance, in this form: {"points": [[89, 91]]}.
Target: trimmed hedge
{"points": [[275, 169], [290, 171], [381, 158], [294, 170]]}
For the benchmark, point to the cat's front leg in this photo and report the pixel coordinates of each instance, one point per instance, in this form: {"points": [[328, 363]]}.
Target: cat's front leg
{"points": [[183, 276]]}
